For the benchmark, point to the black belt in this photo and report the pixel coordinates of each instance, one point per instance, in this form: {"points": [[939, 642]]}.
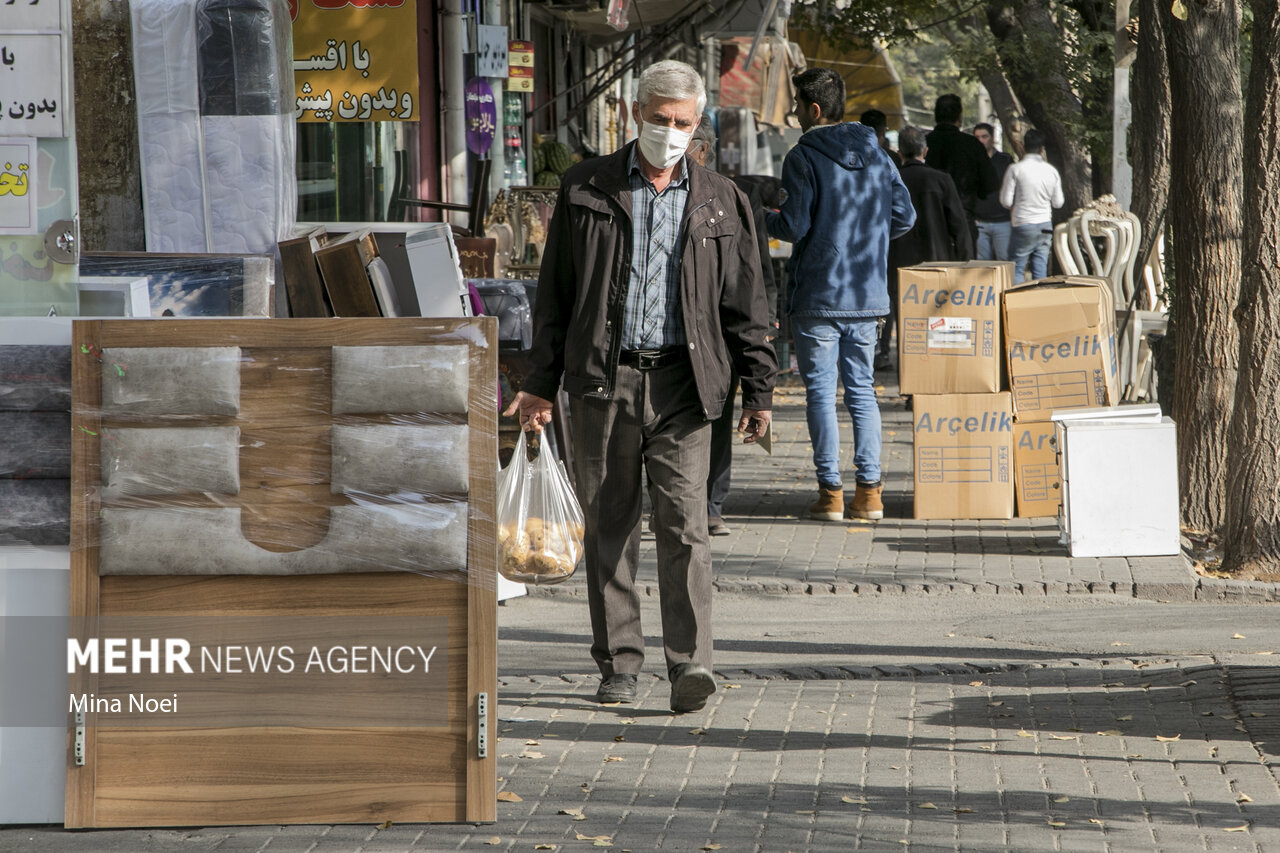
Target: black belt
{"points": [[648, 359]]}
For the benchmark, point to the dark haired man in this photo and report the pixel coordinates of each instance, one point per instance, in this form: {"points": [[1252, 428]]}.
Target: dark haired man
{"points": [[993, 219], [960, 156], [879, 122], [941, 232], [844, 202]]}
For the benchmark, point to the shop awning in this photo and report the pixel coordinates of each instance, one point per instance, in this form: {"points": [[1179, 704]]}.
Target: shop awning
{"points": [[871, 81], [591, 20]]}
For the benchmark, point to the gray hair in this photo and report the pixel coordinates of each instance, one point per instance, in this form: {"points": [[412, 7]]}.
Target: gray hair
{"points": [[911, 142], [671, 79]]}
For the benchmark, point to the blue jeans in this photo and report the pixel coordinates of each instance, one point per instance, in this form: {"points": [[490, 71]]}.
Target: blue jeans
{"points": [[993, 240], [1029, 246], [827, 349]]}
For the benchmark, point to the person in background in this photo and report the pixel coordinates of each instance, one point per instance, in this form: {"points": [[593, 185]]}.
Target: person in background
{"points": [[961, 156], [1032, 189], [878, 122], [941, 232], [649, 287], [757, 188], [844, 202], [993, 219]]}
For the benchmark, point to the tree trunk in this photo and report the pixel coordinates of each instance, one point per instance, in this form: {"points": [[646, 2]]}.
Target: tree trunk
{"points": [[1149, 133], [1252, 535], [1039, 78], [1006, 106], [1206, 174]]}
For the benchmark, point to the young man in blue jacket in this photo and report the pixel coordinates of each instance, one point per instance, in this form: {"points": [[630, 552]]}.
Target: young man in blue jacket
{"points": [[844, 202]]}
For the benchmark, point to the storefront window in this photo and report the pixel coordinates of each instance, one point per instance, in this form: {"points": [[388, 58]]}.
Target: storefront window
{"points": [[353, 171]]}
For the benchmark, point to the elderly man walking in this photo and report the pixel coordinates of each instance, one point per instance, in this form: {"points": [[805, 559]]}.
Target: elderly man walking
{"points": [[845, 201], [650, 285]]}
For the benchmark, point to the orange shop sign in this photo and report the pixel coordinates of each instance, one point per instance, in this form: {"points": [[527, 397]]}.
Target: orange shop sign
{"points": [[355, 60]]}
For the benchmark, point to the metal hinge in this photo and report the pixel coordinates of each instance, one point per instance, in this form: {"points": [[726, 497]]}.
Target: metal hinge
{"points": [[61, 241], [482, 725], [79, 742]]}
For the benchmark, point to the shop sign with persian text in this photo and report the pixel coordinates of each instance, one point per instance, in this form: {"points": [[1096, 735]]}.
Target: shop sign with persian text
{"points": [[355, 60]]}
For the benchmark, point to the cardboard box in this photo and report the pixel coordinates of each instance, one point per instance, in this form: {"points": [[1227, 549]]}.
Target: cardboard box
{"points": [[949, 327], [1060, 343], [1037, 485], [963, 455]]}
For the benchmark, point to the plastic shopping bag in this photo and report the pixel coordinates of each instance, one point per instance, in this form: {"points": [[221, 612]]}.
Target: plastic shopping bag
{"points": [[540, 524]]}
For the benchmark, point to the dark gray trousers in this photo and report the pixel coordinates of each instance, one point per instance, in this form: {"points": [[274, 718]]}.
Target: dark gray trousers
{"points": [[652, 423]]}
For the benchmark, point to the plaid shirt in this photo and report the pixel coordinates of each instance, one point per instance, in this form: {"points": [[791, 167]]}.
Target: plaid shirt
{"points": [[651, 317]]}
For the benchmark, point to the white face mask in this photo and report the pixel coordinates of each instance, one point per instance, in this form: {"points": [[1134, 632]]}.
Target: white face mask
{"points": [[662, 146]]}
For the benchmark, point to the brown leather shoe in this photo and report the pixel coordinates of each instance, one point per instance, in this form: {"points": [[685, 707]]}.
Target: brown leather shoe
{"points": [[867, 502], [828, 506]]}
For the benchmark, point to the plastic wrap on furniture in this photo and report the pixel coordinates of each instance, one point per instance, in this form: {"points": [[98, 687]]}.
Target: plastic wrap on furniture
{"points": [[36, 445], [398, 379], [171, 381], [36, 512], [365, 538], [35, 378], [389, 459], [171, 460]]}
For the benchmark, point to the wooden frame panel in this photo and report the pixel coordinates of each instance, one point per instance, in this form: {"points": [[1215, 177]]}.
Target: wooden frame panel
{"points": [[151, 776]]}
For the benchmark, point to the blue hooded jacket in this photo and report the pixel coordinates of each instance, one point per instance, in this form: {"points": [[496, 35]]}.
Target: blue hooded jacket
{"points": [[845, 201]]}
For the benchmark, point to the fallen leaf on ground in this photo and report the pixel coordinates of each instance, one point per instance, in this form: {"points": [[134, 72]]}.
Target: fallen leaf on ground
{"points": [[1124, 719], [1056, 823], [582, 837], [804, 811], [1237, 637], [509, 797], [1062, 800], [927, 806], [1257, 713], [994, 704], [1095, 820], [1111, 733], [528, 754], [574, 812], [619, 738], [895, 767], [709, 847], [544, 847], [1135, 756], [697, 731], [986, 747], [857, 801], [609, 758], [1164, 739], [1064, 737], [1244, 827], [1264, 653], [1113, 684], [732, 686], [1244, 798], [533, 743], [628, 722], [1122, 644], [975, 683], [962, 811], [493, 842], [586, 788], [1024, 733], [386, 825], [1188, 682], [602, 843]]}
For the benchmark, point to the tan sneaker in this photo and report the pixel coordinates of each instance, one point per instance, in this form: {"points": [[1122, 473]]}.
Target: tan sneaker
{"points": [[867, 502], [828, 506]]}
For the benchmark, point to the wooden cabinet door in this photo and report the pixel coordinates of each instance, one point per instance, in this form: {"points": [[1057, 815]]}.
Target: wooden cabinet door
{"points": [[234, 752]]}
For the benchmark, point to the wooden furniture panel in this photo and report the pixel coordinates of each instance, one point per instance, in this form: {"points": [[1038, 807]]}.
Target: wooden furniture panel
{"points": [[171, 776]]}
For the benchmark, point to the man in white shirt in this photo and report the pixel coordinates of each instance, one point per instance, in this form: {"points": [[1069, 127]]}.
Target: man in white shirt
{"points": [[1031, 189]]}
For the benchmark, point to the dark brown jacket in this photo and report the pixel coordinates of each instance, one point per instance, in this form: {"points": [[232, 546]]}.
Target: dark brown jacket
{"points": [[577, 318]]}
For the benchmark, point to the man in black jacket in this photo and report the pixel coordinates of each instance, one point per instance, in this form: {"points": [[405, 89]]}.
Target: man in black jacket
{"points": [[961, 156], [941, 232], [650, 284]]}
